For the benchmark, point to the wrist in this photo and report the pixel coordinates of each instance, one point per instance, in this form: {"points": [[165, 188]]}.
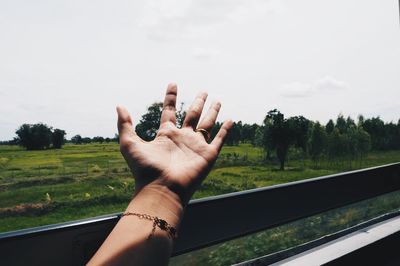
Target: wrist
{"points": [[158, 200]]}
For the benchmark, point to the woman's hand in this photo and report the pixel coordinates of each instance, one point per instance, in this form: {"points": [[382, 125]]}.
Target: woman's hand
{"points": [[177, 159], [167, 170]]}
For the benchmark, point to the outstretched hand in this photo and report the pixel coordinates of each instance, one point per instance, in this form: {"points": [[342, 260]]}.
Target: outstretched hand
{"points": [[177, 159]]}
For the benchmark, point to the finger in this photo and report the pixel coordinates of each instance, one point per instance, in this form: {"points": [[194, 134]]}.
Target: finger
{"points": [[125, 128], [209, 120], [219, 139], [169, 107], [194, 112]]}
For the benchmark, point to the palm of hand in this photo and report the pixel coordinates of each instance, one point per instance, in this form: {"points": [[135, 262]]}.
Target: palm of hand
{"points": [[179, 159]]}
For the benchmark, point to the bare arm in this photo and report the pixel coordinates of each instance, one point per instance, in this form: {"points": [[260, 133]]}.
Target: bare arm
{"points": [[167, 172]]}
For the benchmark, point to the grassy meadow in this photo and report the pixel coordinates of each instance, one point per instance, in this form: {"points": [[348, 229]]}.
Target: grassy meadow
{"points": [[81, 181]]}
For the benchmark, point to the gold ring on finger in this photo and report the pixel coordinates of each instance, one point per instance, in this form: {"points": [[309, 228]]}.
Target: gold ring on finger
{"points": [[205, 133]]}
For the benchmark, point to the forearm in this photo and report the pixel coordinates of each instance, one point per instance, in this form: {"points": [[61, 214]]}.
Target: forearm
{"points": [[128, 243]]}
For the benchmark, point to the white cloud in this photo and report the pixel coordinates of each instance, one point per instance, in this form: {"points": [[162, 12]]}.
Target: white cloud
{"points": [[302, 89], [329, 84]]}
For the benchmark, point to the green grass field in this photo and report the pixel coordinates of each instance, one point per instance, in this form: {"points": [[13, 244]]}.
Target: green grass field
{"points": [[51, 186], [81, 181]]}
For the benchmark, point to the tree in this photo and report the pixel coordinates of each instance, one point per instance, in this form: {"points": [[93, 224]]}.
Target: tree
{"points": [[98, 139], [34, 137], [150, 122], [330, 126], [301, 130], [350, 122], [337, 144], [180, 116], [376, 129], [259, 137], [392, 136], [77, 139], [363, 142], [57, 138], [233, 137], [86, 140], [361, 120], [148, 125], [341, 124], [317, 141], [266, 137], [280, 134], [248, 132]]}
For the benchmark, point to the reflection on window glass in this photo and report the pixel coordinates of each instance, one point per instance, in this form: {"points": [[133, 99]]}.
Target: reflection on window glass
{"points": [[311, 85], [290, 235]]}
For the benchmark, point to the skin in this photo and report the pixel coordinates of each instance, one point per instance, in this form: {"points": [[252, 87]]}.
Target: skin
{"points": [[167, 172]]}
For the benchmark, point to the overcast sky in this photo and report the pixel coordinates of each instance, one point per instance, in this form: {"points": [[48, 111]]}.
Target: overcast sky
{"points": [[69, 63]]}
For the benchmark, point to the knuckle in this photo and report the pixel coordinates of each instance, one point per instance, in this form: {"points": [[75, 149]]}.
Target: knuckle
{"points": [[124, 145], [196, 111], [169, 107], [168, 129]]}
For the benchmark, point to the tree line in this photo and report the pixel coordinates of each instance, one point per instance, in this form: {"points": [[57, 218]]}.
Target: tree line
{"points": [[78, 139], [342, 138], [41, 136], [339, 138]]}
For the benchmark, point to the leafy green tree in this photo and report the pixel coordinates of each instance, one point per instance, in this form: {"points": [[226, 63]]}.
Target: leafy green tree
{"points": [[58, 138], [337, 144], [341, 124], [77, 139], [301, 131], [34, 137], [350, 122], [318, 141], [98, 139], [330, 126], [148, 126], [86, 140], [376, 129], [352, 136], [361, 120], [363, 142], [180, 116], [248, 132], [258, 140], [233, 137], [266, 136], [280, 134], [392, 136]]}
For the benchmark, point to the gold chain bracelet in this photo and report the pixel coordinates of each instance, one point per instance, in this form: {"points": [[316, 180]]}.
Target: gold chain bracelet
{"points": [[157, 222]]}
